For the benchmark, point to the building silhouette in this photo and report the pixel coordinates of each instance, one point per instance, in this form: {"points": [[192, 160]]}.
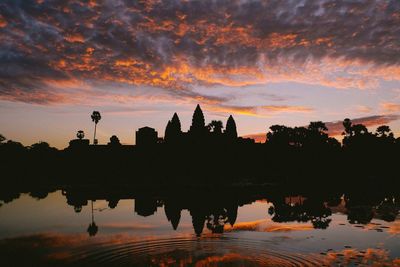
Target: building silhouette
{"points": [[78, 143], [146, 136]]}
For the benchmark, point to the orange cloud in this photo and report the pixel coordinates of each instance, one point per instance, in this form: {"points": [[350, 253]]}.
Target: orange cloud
{"points": [[178, 47], [364, 109], [286, 109], [3, 22], [35, 97], [75, 38], [250, 111], [390, 107]]}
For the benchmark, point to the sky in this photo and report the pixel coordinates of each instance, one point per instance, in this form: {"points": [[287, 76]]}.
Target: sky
{"points": [[137, 62]]}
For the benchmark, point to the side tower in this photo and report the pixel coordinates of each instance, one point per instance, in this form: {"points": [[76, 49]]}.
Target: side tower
{"points": [[231, 132], [173, 132]]}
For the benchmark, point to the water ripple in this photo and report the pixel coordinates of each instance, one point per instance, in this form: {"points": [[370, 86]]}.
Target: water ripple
{"points": [[192, 251]]}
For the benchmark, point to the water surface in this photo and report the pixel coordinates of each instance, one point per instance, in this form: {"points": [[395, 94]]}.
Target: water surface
{"points": [[80, 229]]}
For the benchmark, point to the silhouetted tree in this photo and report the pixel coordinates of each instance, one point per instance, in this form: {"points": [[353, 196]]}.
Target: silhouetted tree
{"points": [[2, 139], [387, 210], [232, 211], [42, 147], [216, 221], [317, 136], [359, 129], [215, 126], [112, 203], [80, 134], [347, 127], [317, 126], [383, 131], [13, 147], [96, 117], [299, 136], [114, 141], [279, 135], [356, 136], [333, 143]]}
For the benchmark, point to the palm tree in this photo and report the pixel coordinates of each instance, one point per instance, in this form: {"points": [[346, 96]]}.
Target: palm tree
{"points": [[80, 134], [96, 117], [92, 228], [347, 124]]}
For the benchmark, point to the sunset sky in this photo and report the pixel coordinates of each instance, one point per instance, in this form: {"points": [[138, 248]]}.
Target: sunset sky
{"points": [[137, 62]]}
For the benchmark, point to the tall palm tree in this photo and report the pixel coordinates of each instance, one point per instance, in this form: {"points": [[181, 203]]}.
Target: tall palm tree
{"points": [[96, 117]]}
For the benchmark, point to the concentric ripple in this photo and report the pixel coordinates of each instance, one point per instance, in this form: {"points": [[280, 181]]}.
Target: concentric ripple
{"points": [[192, 251]]}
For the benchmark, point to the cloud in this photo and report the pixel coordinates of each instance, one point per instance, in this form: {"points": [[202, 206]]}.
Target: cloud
{"points": [[177, 45], [336, 128], [390, 107], [274, 108], [259, 110], [364, 109]]}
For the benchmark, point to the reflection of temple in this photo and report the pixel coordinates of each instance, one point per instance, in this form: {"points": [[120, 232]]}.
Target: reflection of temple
{"points": [[145, 206], [214, 212], [173, 213], [301, 209]]}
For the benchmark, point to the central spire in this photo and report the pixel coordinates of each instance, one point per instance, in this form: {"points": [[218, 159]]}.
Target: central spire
{"points": [[198, 124]]}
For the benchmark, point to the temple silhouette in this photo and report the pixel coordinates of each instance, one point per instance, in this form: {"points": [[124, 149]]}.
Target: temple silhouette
{"points": [[209, 154], [199, 133]]}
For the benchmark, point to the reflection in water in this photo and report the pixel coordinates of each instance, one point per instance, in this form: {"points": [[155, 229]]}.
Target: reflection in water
{"points": [[240, 226], [215, 212], [92, 229]]}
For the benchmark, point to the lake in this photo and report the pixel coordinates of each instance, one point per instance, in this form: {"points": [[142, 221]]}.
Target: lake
{"points": [[93, 227]]}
